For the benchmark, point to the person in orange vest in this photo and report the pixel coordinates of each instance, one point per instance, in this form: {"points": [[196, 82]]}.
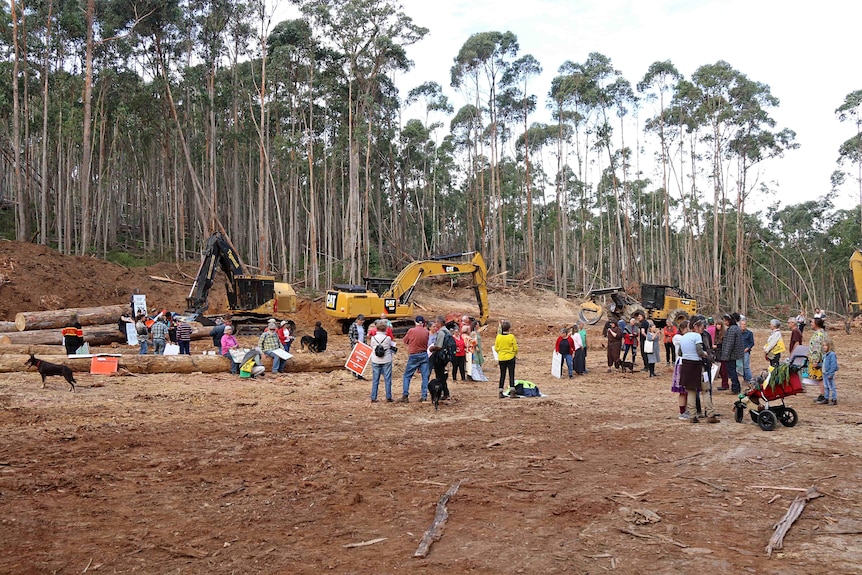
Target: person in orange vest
{"points": [[73, 336]]}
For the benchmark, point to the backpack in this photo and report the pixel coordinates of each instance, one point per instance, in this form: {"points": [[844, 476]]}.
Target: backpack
{"points": [[449, 347], [565, 348], [379, 350]]}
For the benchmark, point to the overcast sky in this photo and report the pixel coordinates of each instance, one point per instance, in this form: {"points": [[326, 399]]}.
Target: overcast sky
{"points": [[808, 53]]}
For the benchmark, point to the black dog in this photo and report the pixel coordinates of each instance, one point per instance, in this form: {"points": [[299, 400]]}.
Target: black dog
{"points": [[309, 342], [627, 365], [435, 389], [47, 369]]}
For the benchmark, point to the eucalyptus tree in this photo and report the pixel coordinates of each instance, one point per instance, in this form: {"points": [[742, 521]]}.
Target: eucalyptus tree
{"points": [[661, 77], [372, 35], [851, 150], [488, 53], [516, 81]]}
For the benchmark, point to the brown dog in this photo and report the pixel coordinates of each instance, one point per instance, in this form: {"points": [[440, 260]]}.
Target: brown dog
{"points": [[47, 369]]}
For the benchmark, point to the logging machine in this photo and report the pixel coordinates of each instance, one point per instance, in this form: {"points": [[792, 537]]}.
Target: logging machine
{"points": [[249, 297], [392, 296]]}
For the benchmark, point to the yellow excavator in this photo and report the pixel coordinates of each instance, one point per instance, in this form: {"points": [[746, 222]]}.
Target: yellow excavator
{"points": [[346, 302], [855, 305]]}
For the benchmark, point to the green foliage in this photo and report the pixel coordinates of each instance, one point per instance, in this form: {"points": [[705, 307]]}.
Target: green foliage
{"points": [[129, 260]]}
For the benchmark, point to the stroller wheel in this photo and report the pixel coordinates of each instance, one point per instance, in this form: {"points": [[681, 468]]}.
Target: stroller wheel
{"points": [[788, 417], [766, 420], [738, 412]]}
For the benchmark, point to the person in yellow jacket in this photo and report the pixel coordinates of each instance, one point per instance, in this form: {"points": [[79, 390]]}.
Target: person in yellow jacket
{"points": [[775, 344], [507, 350]]}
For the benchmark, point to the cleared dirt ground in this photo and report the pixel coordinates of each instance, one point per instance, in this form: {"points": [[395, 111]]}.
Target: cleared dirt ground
{"points": [[210, 474]]}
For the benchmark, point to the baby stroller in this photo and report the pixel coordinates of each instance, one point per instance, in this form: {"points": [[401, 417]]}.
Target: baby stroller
{"points": [[764, 399]]}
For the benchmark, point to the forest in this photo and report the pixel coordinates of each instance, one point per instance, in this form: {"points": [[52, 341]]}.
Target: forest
{"points": [[132, 130]]}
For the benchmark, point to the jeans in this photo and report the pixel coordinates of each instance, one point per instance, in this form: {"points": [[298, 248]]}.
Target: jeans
{"points": [[144, 347], [159, 346], [416, 361], [376, 370], [277, 362], [234, 366], [630, 347], [732, 375], [743, 365], [829, 387], [185, 347], [567, 360]]}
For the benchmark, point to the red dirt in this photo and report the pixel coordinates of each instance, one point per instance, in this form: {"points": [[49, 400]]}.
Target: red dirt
{"points": [[210, 474]]}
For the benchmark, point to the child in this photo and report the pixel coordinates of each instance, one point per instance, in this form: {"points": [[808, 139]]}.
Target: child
{"points": [[830, 366]]}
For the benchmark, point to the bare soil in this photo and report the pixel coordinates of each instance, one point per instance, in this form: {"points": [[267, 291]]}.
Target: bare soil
{"points": [[211, 474]]}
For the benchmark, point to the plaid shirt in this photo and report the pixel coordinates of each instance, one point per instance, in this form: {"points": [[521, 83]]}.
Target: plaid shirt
{"points": [[268, 341], [159, 330]]}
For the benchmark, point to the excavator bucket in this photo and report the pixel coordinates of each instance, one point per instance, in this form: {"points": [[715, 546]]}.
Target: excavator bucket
{"points": [[591, 312]]}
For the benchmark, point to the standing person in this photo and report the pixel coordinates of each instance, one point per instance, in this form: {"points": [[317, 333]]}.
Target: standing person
{"points": [[356, 333], [382, 364], [416, 341], [372, 329], [774, 345], [321, 337], [73, 335], [582, 329], [159, 331], [439, 357], [476, 350], [228, 342], [744, 364], [143, 332], [710, 327], [615, 344], [564, 346], [675, 386], [653, 357], [507, 351], [459, 362], [172, 324], [579, 359], [630, 340], [815, 357], [731, 349], [184, 337], [669, 331], [795, 334], [268, 343], [643, 329], [800, 321], [693, 353], [819, 314], [830, 368]]}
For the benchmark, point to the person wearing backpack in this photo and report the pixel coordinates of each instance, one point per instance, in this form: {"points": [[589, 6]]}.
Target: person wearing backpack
{"points": [[442, 352], [565, 345], [507, 350], [381, 361]]}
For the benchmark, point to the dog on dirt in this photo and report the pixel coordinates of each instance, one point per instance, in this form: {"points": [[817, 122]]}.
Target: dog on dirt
{"points": [[435, 390], [307, 341], [627, 365], [47, 369]]}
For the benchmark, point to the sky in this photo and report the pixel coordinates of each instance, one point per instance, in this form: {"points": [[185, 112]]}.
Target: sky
{"points": [[807, 53]]}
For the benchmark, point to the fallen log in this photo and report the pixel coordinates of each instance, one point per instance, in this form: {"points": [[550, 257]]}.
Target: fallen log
{"points": [[436, 530], [317, 362], [36, 349], [93, 334], [793, 512], [59, 318], [6, 326]]}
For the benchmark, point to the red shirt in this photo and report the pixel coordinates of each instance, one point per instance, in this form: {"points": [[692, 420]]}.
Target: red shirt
{"points": [[416, 340], [460, 346]]}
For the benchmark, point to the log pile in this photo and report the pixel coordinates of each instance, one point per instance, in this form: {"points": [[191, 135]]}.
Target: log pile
{"points": [[60, 318], [93, 334]]}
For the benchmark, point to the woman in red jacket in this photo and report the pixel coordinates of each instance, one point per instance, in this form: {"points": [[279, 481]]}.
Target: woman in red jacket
{"points": [[565, 346], [459, 362]]}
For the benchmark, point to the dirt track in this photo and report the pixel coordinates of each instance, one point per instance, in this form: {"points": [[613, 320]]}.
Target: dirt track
{"points": [[210, 474], [207, 474]]}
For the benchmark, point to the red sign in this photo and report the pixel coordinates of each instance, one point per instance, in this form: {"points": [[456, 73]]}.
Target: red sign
{"points": [[358, 358]]}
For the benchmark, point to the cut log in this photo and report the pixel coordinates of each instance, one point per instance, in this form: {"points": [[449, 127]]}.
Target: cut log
{"points": [[59, 318], [6, 326], [319, 362], [93, 334], [25, 349]]}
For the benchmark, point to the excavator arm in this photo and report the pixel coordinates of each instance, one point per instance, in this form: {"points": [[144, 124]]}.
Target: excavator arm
{"points": [[403, 285], [217, 253]]}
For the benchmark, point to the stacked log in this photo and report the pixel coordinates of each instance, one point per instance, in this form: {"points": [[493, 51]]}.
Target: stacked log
{"points": [[60, 318], [23, 348], [317, 362], [6, 326], [93, 334]]}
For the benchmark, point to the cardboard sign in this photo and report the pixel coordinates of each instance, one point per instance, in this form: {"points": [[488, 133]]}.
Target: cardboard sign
{"points": [[105, 365], [282, 354], [139, 303], [131, 334], [557, 365], [359, 357]]}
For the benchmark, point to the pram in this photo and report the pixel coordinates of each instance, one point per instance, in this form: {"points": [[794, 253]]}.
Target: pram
{"points": [[762, 391]]}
